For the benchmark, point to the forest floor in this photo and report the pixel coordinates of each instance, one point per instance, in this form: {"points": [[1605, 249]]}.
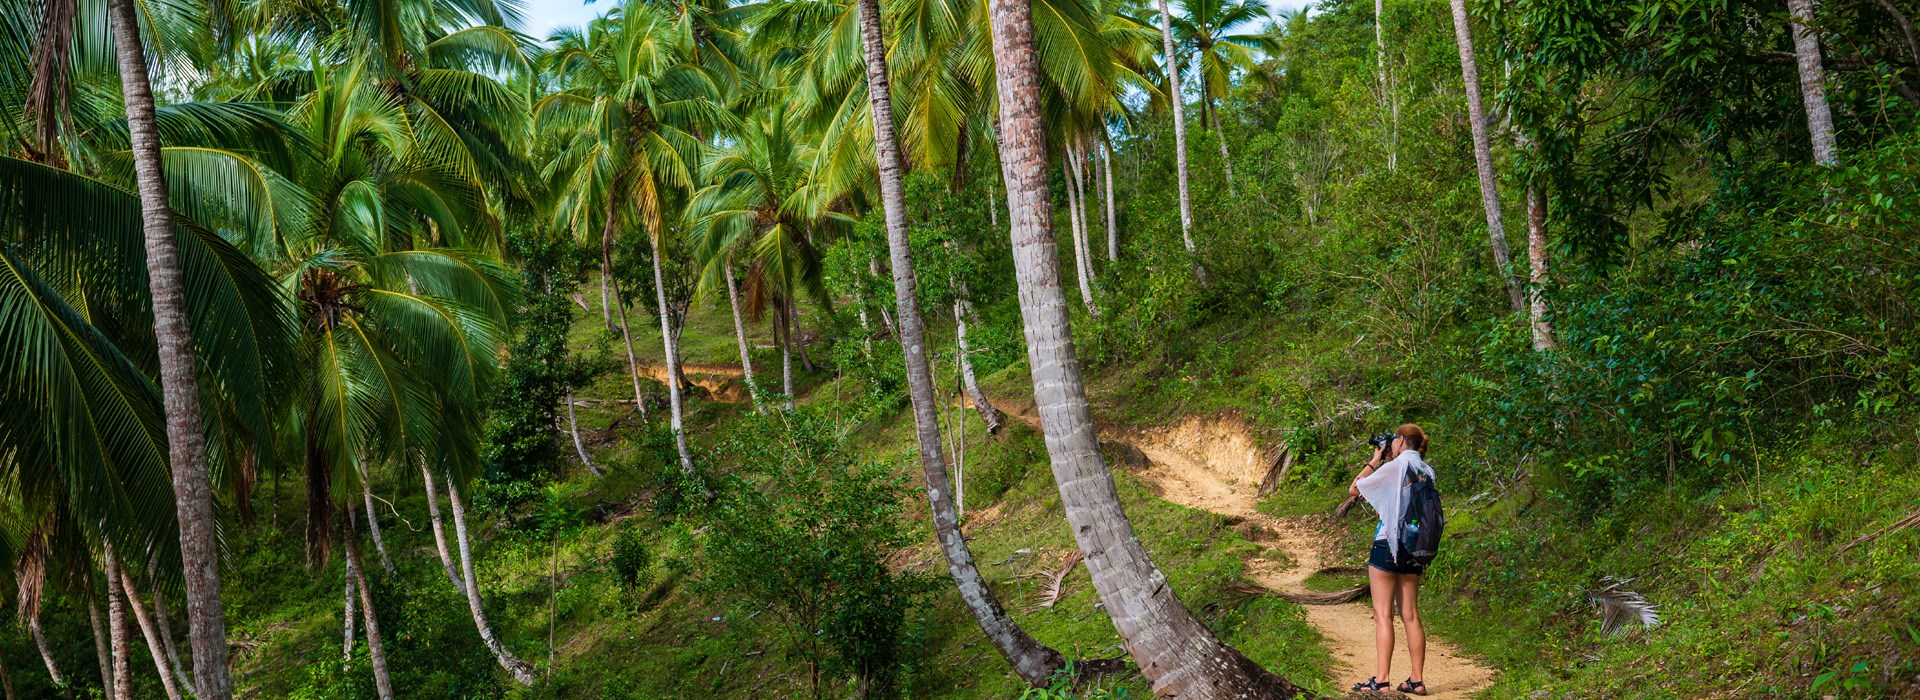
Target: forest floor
{"points": [[1215, 465]]}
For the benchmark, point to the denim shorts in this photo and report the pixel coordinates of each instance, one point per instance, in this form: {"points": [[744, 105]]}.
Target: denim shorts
{"points": [[1381, 558]]}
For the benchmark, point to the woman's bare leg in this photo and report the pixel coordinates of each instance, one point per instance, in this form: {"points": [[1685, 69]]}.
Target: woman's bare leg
{"points": [[1383, 587], [1416, 634]]}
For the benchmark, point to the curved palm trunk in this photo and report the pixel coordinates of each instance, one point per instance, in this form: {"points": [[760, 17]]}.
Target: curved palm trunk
{"points": [[156, 645], [786, 353], [46, 652], [1081, 274], [373, 523], [357, 573], [522, 671], [117, 630], [740, 336], [573, 428], [1174, 651], [100, 647], [186, 450], [1483, 157], [439, 531], [626, 335], [1179, 137], [1034, 661], [166, 636], [672, 346], [1813, 81], [1113, 229], [989, 414], [1537, 263]]}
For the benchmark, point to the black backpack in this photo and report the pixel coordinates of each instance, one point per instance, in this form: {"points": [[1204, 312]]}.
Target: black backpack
{"points": [[1423, 520]]}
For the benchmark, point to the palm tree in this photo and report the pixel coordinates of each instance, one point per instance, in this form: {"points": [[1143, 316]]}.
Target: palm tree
{"points": [[1177, 104], [1813, 79], [1176, 653], [186, 453], [628, 118], [1483, 157], [1210, 31]]}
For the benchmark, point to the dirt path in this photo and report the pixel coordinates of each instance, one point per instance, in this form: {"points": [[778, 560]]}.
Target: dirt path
{"points": [[1214, 464], [716, 379]]}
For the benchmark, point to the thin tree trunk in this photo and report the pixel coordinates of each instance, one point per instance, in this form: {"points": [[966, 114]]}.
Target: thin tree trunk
{"points": [[626, 335], [1084, 246], [1226, 157], [100, 647], [117, 630], [1179, 141], [349, 615], [1537, 260], [1113, 228], [46, 652], [520, 670], [1082, 275], [1035, 662], [553, 597], [573, 428], [606, 305], [439, 531], [1386, 90], [160, 617], [740, 336], [156, 644], [671, 344], [1483, 158], [1813, 81], [786, 352], [989, 414], [6, 677], [357, 573], [186, 449], [1176, 653], [373, 523]]}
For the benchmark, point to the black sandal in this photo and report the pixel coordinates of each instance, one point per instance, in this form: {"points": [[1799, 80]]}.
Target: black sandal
{"points": [[1371, 686], [1412, 687]]}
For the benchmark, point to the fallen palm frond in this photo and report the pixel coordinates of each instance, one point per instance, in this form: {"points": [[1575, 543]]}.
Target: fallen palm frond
{"points": [[1900, 524], [1054, 583], [1618, 606]]}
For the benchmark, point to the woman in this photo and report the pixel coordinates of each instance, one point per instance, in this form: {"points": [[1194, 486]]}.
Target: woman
{"points": [[1393, 576]]}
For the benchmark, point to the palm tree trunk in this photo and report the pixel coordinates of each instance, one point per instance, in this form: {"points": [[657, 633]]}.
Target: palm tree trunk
{"points": [[46, 652], [156, 645], [1386, 90], [192, 491], [1537, 262], [626, 335], [373, 523], [1174, 651], [1083, 247], [1035, 662], [989, 414], [1483, 157], [740, 336], [1113, 229], [1226, 157], [100, 647], [606, 306], [439, 532], [786, 353], [520, 670], [349, 615], [117, 630], [1081, 274], [1179, 138], [357, 572], [1813, 81], [671, 344], [573, 428], [166, 637]]}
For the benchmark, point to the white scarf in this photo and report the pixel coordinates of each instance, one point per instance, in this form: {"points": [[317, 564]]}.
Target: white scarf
{"points": [[1383, 491]]}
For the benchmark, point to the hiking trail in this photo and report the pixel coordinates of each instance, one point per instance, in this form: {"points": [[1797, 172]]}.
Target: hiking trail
{"points": [[1215, 464]]}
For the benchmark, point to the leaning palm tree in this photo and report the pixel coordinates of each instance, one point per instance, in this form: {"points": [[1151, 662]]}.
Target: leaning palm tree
{"points": [[1211, 30], [1174, 650], [1176, 102], [1483, 157], [629, 118]]}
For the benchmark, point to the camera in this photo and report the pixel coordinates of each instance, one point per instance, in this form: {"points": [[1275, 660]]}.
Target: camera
{"points": [[1381, 440]]}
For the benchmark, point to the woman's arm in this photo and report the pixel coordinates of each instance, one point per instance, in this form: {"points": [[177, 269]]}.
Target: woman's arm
{"points": [[1372, 464]]}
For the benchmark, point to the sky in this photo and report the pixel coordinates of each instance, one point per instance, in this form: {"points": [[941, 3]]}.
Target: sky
{"points": [[543, 16]]}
